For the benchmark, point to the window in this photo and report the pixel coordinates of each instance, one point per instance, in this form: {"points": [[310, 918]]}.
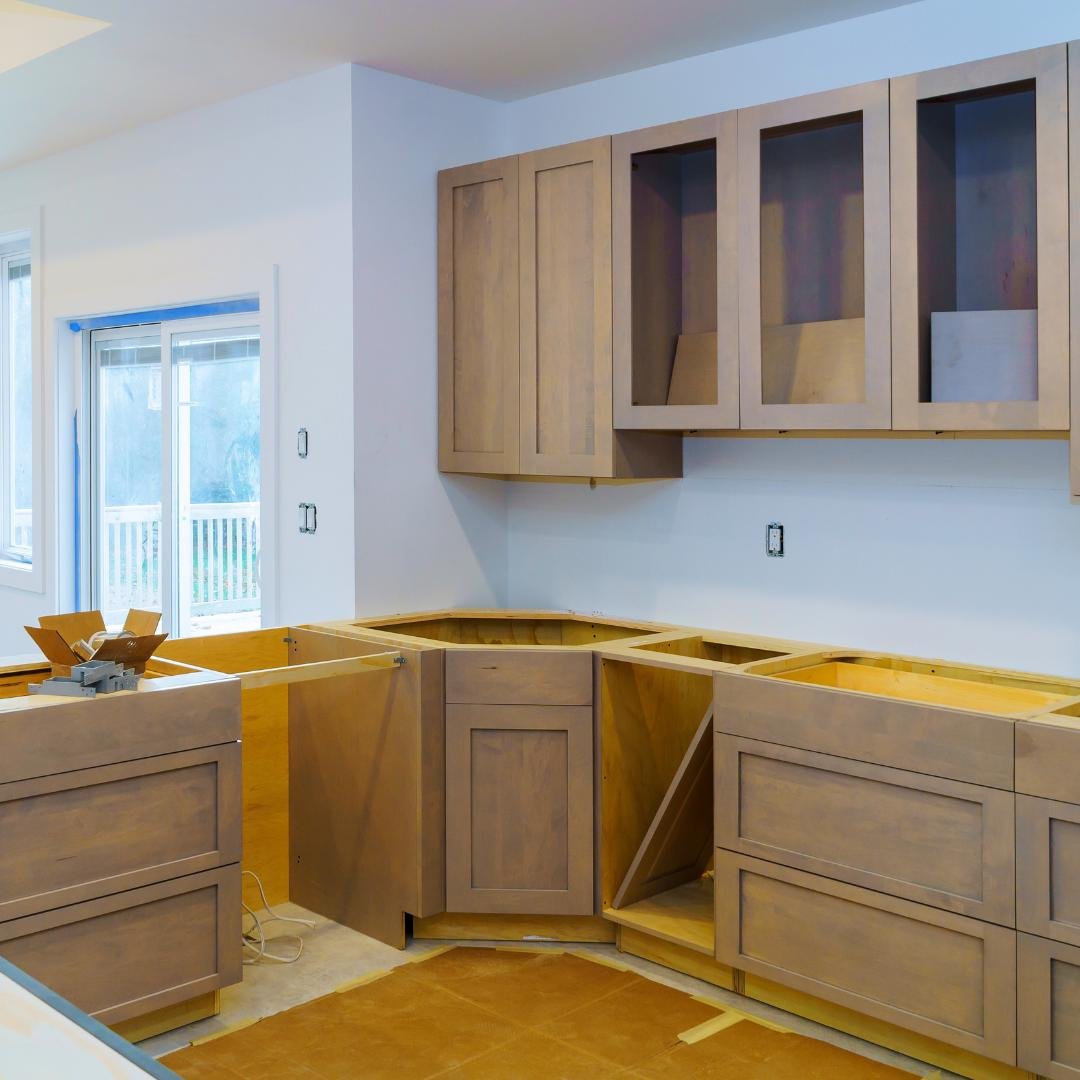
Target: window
{"points": [[16, 404], [175, 476]]}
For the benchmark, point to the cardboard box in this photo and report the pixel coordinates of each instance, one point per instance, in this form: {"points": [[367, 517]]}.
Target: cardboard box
{"points": [[64, 639]]}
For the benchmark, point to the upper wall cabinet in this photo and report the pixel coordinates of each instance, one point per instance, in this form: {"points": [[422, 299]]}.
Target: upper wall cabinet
{"points": [[814, 261], [676, 317], [566, 402], [1074, 261], [478, 318], [980, 263]]}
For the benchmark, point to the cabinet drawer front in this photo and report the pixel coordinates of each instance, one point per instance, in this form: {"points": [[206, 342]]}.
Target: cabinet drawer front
{"points": [[78, 835], [939, 974], [936, 841], [1048, 869], [125, 955], [971, 747], [1048, 981], [516, 677], [1048, 759]]}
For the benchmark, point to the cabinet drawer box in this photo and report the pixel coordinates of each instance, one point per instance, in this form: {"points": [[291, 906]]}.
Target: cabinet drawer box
{"points": [[126, 955], [1048, 869], [79, 835], [973, 747], [939, 842], [1048, 981], [518, 677], [939, 974]]}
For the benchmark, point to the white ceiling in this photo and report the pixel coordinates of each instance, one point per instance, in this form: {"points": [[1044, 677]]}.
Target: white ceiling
{"points": [[160, 57]]}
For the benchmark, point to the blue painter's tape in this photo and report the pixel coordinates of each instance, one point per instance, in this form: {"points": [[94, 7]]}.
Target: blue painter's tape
{"points": [[191, 311]]}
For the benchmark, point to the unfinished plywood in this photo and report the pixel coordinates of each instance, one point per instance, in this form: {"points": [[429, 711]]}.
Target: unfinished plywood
{"points": [[682, 916], [693, 371], [814, 363]]}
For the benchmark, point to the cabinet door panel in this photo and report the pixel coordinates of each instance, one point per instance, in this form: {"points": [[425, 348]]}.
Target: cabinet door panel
{"points": [[1048, 869], [478, 318], [1048, 982], [519, 809]]}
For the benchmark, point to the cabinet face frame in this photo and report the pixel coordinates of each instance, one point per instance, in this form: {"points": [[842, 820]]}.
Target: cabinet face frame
{"points": [[874, 412], [1050, 412], [723, 129], [595, 368], [461, 828], [1035, 1006], [503, 311], [1037, 871], [1074, 267]]}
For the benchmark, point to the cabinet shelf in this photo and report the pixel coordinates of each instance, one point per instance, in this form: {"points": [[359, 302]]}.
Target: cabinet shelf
{"points": [[683, 916]]}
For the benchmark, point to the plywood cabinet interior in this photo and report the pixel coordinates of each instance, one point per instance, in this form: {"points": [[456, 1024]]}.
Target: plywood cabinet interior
{"points": [[980, 245], [676, 364], [478, 317], [814, 261]]}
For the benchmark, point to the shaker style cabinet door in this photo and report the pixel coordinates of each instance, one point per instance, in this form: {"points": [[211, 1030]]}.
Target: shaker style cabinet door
{"points": [[814, 261], [478, 318]]}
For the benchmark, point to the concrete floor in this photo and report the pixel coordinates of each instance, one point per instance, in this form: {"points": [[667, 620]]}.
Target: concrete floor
{"points": [[334, 955]]}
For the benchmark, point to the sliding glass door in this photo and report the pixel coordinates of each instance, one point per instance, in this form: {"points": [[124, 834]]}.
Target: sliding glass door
{"points": [[175, 490]]}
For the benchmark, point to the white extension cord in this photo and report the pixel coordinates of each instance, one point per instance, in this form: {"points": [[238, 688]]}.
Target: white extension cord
{"points": [[254, 937]]}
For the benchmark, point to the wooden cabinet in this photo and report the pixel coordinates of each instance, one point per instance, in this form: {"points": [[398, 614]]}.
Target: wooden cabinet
{"points": [[478, 318], [519, 809], [518, 677], [676, 362], [814, 261], [1048, 869], [939, 842], [980, 256], [1074, 267], [1048, 978], [939, 974]]}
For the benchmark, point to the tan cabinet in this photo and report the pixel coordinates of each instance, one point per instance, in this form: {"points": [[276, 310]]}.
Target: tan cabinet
{"points": [[1074, 265], [1048, 869], [939, 974], [519, 809], [676, 276], [980, 256], [478, 318], [814, 261], [1048, 977], [936, 841]]}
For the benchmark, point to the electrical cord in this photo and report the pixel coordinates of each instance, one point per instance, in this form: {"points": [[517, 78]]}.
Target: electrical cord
{"points": [[254, 937]]}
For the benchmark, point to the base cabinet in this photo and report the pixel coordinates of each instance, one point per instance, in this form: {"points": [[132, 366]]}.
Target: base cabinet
{"points": [[1048, 976], [519, 809]]}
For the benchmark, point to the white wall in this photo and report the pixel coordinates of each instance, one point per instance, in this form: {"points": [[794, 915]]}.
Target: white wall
{"points": [[423, 540], [968, 550], [195, 207]]}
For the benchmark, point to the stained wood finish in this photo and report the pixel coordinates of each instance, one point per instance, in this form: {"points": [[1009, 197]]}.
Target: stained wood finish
{"points": [[366, 788], [518, 677], [937, 973], [85, 834], [123, 955], [935, 841], [1048, 869], [971, 747], [938, 193], [478, 318], [832, 217], [566, 328], [675, 270], [519, 809], [470, 926], [1048, 977], [1048, 758]]}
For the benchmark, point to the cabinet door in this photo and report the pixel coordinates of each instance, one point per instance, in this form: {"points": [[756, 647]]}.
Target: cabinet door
{"points": [[519, 809], [478, 318], [814, 261], [566, 427], [1048, 869], [1048, 984], [980, 266], [676, 275]]}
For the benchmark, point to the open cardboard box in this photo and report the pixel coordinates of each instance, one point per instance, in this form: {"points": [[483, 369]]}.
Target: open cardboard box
{"points": [[63, 638]]}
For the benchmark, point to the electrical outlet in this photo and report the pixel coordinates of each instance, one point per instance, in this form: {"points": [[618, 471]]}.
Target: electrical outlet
{"points": [[308, 519], [774, 540]]}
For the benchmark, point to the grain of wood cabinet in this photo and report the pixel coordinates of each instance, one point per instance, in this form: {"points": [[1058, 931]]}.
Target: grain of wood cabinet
{"points": [[980, 206], [1048, 869], [814, 338], [519, 809], [938, 842], [936, 973], [1048, 984], [478, 318]]}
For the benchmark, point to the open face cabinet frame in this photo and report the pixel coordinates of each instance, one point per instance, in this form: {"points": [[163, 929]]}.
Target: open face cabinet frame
{"points": [[916, 272]]}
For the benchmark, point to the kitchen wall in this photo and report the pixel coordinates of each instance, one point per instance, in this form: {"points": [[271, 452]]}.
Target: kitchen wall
{"points": [[962, 549]]}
